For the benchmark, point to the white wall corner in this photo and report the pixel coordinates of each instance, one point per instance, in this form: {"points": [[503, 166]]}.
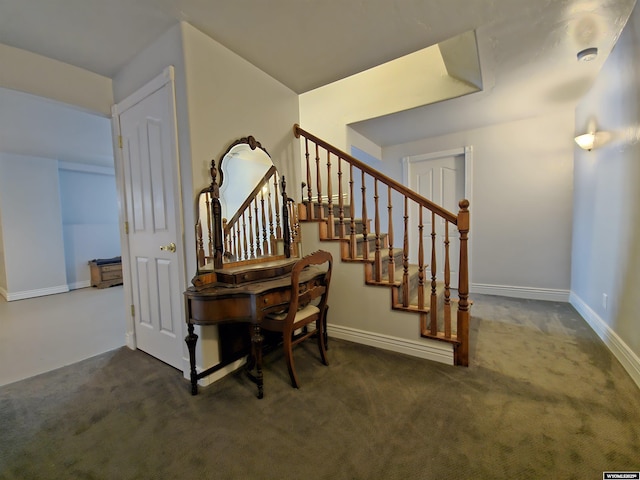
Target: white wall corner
{"points": [[629, 360]]}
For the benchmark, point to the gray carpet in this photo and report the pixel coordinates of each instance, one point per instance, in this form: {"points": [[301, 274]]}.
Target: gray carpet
{"points": [[542, 399]]}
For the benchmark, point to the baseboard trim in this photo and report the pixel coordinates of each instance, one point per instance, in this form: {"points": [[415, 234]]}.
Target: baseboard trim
{"points": [[629, 360], [530, 293], [80, 284], [39, 292], [440, 352], [130, 339]]}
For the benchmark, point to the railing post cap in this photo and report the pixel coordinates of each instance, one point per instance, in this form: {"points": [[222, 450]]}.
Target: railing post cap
{"points": [[464, 204]]}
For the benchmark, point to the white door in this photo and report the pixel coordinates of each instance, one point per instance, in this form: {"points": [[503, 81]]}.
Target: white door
{"points": [[151, 184], [440, 180]]}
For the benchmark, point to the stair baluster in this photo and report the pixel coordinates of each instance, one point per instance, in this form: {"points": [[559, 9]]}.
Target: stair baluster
{"points": [[434, 284], [341, 225], [353, 252], [265, 238], [391, 266], [272, 237], [320, 209], [245, 249], [365, 220], [377, 257], [447, 281], [258, 247], [405, 256], [330, 216], [277, 202], [420, 260], [309, 185]]}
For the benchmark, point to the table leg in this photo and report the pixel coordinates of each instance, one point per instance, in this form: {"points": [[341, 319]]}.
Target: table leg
{"points": [[191, 340], [256, 344]]}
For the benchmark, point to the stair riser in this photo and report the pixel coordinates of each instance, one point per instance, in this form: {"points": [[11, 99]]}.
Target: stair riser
{"points": [[359, 227], [322, 211], [397, 259], [371, 240]]}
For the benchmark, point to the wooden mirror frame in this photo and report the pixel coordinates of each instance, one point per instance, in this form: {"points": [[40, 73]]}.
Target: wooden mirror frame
{"points": [[213, 250]]}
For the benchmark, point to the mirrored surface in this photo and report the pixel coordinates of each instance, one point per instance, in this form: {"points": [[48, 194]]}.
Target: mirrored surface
{"points": [[242, 217], [242, 169]]}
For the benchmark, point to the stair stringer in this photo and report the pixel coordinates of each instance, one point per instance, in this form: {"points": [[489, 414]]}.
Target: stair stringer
{"points": [[363, 314]]}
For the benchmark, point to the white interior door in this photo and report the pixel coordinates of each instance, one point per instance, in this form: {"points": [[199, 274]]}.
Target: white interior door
{"points": [[151, 183], [440, 180]]}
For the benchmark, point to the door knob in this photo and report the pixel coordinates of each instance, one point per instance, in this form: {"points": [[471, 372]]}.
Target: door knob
{"points": [[170, 248]]}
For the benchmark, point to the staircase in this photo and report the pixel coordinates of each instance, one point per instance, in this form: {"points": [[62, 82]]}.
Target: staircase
{"points": [[352, 203]]}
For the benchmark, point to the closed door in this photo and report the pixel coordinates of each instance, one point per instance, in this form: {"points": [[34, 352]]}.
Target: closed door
{"points": [[440, 180], [150, 172]]}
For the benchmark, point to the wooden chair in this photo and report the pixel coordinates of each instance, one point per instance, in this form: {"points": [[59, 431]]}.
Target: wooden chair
{"points": [[307, 305]]}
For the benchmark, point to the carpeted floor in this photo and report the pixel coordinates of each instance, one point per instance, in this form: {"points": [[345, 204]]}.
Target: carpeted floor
{"points": [[542, 399]]}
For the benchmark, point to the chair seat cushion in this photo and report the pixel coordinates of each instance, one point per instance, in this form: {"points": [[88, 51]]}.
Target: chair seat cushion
{"points": [[300, 314]]}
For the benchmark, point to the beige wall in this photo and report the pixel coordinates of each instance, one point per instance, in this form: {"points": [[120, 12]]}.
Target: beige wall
{"points": [[229, 98], [606, 222]]}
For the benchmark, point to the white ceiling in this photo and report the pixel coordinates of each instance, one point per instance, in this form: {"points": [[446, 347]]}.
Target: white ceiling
{"points": [[527, 48]]}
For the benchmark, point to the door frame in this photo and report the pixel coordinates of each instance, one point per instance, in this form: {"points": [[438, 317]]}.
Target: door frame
{"points": [[166, 77], [467, 152]]}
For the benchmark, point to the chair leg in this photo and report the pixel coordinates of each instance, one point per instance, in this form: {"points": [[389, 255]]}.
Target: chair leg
{"points": [[321, 340], [288, 353], [324, 326]]}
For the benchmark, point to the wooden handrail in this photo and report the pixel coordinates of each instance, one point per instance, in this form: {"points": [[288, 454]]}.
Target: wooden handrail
{"points": [[407, 192]]}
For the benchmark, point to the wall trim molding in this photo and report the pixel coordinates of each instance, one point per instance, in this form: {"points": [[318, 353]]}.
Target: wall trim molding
{"points": [[629, 360], [86, 168], [39, 292], [80, 284], [440, 352], [156, 83], [531, 293]]}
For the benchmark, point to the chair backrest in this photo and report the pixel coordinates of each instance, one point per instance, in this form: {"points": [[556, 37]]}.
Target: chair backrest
{"points": [[319, 289]]}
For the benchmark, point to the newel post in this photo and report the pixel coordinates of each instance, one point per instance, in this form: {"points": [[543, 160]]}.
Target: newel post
{"points": [[462, 350]]}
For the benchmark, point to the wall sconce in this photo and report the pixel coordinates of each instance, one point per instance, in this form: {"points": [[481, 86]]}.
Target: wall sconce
{"points": [[586, 141]]}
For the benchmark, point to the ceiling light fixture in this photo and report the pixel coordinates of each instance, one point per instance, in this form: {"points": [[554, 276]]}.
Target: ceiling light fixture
{"points": [[586, 141], [587, 54]]}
